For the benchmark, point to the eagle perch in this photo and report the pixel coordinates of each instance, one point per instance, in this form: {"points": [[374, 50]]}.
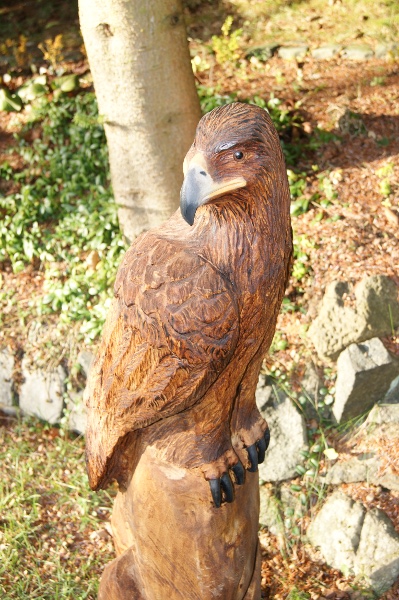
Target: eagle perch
{"points": [[195, 308]]}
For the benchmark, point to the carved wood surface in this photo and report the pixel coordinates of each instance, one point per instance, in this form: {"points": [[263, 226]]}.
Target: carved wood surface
{"points": [[188, 548], [171, 395]]}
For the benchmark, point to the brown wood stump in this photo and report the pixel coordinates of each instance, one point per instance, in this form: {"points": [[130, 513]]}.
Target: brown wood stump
{"points": [[172, 543]]}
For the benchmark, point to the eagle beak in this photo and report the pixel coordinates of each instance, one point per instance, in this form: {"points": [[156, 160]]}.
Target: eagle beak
{"points": [[199, 187]]}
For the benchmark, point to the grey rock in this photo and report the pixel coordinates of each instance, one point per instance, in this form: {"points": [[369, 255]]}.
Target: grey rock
{"points": [[265, 393], [78, 413], [387, 50], [377, 299], [262, 53], [41, 393], [293, 52], [311, 384], [270, 513], [6, 382], [337, 325], [291, 500], [377, 556], [392, 396], [358, 52], [383, 414], [361, 468], [388, 480], [326, 52], [364, 374], [352, 470], [288, 434], [350, 538], [383, 422], [85, 360], [336, 530]]}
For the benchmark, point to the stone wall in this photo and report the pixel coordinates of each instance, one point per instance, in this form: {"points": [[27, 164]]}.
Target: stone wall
{"points": [[42, 392], [350, 536]]}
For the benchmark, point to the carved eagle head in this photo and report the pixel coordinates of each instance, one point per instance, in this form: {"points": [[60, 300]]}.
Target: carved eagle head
{"points": [[236, 149]]}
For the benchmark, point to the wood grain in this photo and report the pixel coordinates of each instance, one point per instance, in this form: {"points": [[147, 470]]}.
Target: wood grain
{"points": [[171, 395]]}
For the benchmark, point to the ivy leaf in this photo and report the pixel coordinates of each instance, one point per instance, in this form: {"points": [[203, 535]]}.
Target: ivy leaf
{"points": [[9, 102]]}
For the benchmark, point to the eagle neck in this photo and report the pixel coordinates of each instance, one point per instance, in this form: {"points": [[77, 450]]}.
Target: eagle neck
{"points": [[234, 241]]}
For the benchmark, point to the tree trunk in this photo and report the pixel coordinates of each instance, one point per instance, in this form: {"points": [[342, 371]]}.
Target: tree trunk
{"points": [[139, 59]]}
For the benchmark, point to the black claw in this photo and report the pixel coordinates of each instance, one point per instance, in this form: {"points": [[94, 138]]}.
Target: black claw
{"points": [[266, 437], [239, 473], [216, 492], [227, 487], [253, 457], [261, 445]]}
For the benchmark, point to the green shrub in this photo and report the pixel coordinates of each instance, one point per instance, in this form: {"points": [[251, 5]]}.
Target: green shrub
{"points": [[63, 213]]}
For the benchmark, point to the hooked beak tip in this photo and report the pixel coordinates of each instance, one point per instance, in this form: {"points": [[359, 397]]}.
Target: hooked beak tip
{"points": [[188, 213]]}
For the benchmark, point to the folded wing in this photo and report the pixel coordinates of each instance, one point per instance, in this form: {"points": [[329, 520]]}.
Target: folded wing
{"points": [[170, 332]]}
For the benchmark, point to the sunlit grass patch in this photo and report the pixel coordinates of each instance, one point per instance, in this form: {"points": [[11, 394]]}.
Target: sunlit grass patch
{"points": [[53, 543]]}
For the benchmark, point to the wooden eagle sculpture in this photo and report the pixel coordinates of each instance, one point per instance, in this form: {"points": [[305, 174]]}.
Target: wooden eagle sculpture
{"points": [[171, 395]]}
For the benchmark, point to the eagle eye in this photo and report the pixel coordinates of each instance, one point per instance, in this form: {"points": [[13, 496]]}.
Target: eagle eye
{"points": [[238, 155]]}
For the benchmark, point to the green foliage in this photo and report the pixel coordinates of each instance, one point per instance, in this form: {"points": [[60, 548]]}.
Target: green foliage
{"points": [[210, 98], [199, 64], [288, 306], [226, 46], [297, 183], [279, 343], [301, 266], [320, 137], [285, 121], [326, 185], [63, 212], [33, 88], [385, 175], [296, 594], [9, 102], [378, 81]]}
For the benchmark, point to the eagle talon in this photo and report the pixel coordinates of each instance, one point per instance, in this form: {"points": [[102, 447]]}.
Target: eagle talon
{"points": [[227, 487], [261, 446], [253, 457], [216, 492], [266, 437], [257, 451], [239, 473]]}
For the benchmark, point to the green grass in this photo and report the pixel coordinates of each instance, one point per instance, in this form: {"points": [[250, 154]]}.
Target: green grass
{"points": [[317, 21], [52, 538], [296, 594]]}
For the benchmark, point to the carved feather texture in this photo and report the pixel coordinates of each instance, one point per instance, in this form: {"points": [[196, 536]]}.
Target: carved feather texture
{"points": [[168, 336], [192, 301]]}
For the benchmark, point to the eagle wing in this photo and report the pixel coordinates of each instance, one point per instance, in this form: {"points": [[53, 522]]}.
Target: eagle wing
{"points": [[170, 332]]}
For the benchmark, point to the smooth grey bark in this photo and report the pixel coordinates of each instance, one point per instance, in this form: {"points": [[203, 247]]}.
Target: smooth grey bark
{"points": [[139, 59]]}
